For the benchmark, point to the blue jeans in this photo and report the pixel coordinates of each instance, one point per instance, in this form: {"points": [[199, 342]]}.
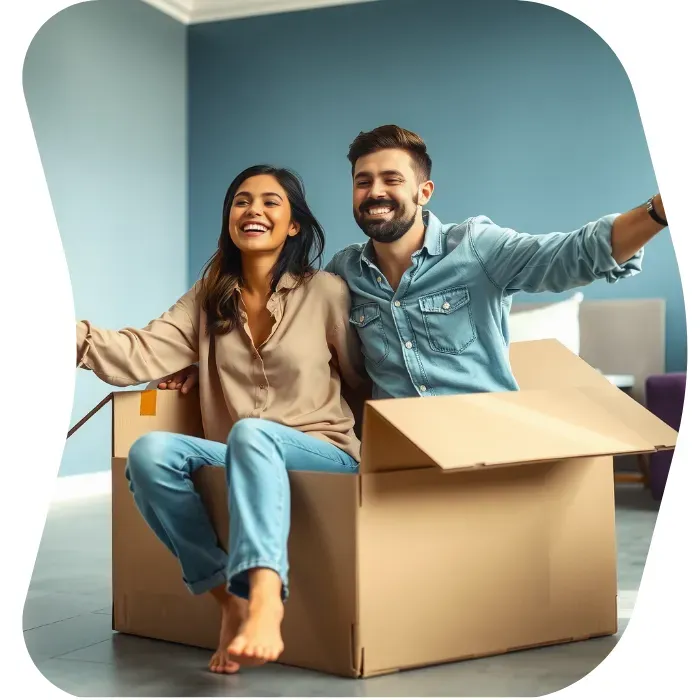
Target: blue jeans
{"points": [[256, 457]]}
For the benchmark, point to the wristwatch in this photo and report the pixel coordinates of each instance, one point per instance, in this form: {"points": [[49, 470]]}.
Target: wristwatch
{"points": [[654, 214]]}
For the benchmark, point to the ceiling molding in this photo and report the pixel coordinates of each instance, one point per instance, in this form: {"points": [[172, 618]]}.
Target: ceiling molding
{"points": [[200, 11], [181, 10]]}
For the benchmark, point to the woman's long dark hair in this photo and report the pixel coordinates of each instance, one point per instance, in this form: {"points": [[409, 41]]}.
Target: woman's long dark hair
{"points": [[299, 254]]}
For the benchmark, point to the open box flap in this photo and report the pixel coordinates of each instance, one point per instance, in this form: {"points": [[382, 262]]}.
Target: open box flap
{"points": [[136, 412], [547, 364], [496, 429], [89, 415]]}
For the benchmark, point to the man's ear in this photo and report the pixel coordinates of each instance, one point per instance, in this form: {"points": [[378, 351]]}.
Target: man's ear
{"points": [[425, 192]]}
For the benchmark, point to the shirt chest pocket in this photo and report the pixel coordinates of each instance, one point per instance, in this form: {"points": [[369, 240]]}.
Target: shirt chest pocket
{"points": [[447, 316], [368, 322]]}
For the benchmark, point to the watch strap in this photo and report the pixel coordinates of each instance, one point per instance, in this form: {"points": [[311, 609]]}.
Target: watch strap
{"points": [[654, 214]]}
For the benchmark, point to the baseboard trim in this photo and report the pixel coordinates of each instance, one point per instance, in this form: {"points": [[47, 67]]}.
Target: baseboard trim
{"points": [[79, 486]]}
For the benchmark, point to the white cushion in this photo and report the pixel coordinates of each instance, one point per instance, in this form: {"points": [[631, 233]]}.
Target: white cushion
{"points": [[559, 321]]}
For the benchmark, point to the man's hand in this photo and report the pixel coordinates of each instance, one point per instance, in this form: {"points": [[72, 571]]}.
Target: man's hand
{"points": [[184, 380], [632, 230]]}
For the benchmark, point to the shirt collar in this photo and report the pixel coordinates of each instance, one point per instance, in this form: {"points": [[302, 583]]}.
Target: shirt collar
{"points": [[432, 243], [286, 282]]}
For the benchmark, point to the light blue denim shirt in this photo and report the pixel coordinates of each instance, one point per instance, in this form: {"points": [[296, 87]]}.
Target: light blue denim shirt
{"points": [[445, 328]]}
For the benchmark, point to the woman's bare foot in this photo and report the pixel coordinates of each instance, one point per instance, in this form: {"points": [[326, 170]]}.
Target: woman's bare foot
{"points": [[260, 638], [233, 612]]}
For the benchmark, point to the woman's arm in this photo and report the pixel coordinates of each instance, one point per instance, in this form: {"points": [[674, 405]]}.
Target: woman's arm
{"points": [[133, 356]]}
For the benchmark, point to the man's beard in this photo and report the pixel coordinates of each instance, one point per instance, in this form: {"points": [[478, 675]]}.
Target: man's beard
{"points": [[386, 231]]}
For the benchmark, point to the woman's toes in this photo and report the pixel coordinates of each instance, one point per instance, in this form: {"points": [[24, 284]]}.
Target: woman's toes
{"points": [[238, 646]]}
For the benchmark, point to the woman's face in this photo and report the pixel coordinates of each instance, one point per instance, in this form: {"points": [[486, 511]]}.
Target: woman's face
{"points": [[261, 216]]}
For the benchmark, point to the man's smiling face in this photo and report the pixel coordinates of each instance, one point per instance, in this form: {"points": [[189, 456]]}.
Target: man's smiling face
{"points": [[385, 194]]}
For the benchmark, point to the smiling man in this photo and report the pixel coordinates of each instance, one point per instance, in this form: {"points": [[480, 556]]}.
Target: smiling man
{"points": [[430, 301]]}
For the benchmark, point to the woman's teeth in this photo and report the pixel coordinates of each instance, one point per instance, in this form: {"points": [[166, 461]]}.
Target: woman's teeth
{"points": [[255, 227]]}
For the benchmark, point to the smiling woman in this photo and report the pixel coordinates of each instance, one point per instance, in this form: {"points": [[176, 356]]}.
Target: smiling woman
{"points": [[274, 338], [267, 231]]}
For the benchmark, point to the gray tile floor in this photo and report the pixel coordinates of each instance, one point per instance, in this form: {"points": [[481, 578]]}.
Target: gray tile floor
{"points": [[67, 622]]}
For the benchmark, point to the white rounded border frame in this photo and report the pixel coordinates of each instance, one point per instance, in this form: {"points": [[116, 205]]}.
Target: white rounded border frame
{"points": [[655, 44]]}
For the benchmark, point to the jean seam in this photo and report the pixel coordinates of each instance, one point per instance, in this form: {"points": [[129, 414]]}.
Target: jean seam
{"points": [[206, 578], [220, 574], [280, 493], [318, 453], [259, 563], [186, 468]]}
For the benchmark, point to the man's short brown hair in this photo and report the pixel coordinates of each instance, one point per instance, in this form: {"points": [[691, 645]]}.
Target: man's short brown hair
{"points": [[392, 136]]}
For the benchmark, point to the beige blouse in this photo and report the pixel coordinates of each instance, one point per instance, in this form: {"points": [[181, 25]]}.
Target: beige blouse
{"points": [[294, 378]]}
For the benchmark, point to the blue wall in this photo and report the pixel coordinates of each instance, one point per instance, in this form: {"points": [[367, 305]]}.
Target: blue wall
{"points": [[527, 113], [105, 84]]}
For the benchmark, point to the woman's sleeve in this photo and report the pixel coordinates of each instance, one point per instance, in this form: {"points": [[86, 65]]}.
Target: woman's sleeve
{"points": [[133, 356]]}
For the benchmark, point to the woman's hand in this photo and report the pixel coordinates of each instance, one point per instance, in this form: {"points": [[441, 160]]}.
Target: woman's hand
{"points": [[184, 380]]}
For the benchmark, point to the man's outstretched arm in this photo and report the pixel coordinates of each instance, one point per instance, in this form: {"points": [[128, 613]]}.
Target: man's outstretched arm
{"points": [[610, 248]]}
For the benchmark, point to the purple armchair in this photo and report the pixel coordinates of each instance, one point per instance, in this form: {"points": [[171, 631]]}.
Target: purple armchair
{"points": [[665, 394]]}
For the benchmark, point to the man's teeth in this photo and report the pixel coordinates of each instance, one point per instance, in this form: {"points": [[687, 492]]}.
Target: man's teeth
{"points": [[255, 227], [379, 210]]}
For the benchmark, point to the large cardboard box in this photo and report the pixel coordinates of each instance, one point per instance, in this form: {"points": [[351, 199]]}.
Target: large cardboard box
{"points": [[477, 525]]}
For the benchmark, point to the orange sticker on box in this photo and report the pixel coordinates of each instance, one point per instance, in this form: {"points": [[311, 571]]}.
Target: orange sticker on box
{"points": [[148, 402]]}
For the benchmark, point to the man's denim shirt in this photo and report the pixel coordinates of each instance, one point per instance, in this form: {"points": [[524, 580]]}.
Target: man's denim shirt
{"points": [[445, 329]]}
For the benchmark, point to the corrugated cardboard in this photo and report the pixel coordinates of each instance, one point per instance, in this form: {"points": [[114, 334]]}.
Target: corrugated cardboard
{"points": [[477, 525]]}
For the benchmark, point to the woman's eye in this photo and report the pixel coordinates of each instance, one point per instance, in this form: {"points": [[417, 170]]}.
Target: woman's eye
{"points": [[241, 203], [271, 203]]}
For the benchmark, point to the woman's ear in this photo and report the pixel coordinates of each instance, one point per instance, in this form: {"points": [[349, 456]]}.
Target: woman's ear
{"points": [[294, 228]]}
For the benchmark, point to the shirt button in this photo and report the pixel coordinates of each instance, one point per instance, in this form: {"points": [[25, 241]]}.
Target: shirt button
{"points": [[409, 344], [362, 318], [379, 279], [397, 303], [446, 306], [422, 387], [262, 386]]}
